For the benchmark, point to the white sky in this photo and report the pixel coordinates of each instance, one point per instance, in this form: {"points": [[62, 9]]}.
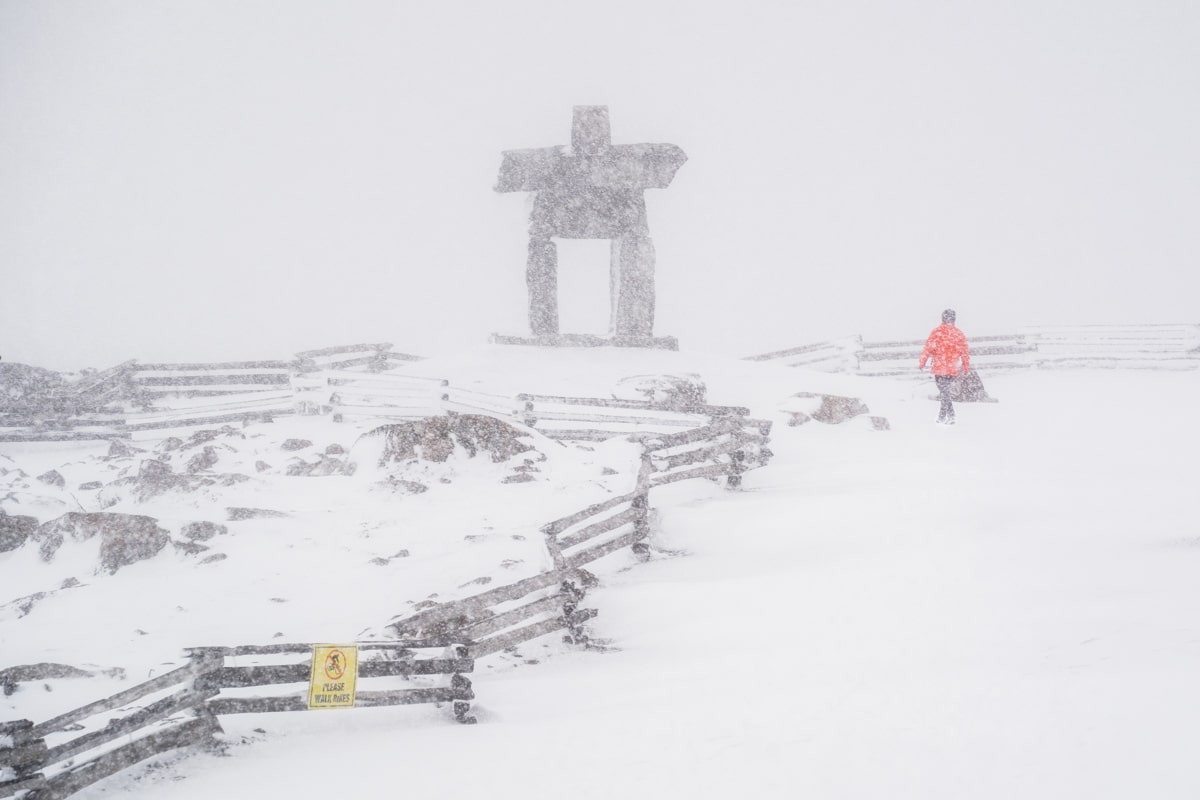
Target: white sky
{"points": [[245, 179]]}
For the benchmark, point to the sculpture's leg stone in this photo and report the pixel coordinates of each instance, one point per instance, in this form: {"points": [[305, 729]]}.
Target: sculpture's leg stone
{"points": [[632, 284], [541, 274]]}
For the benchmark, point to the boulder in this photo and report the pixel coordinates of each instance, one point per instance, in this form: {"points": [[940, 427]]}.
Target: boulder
{"points": [[15, 531], [295, 444], [202, 531], [436, 438], [679, 391], [833, 409], [53, 478], [124, 538], [90, 485], [206, 459], [118, 448]]}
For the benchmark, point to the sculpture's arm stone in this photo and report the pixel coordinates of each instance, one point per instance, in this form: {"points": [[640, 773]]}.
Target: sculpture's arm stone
{"points": [[640, 166], [528, 170]]}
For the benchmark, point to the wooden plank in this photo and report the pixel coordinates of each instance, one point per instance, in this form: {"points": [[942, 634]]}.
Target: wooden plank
{"points": [[572, 435], [215, 366], [306, 647], [342, 349], [476, 603], [560, 525], [196, 731], [599, 551], [597, 528], [513, 638], [299, 702], [546, 605], [336, 378], [173, 678], [664, 441], [61, 436], [634, 405], [797, 351], [572, 416], [274, 674], [677, 460], [198, 420], [711, 471], [117, 728]]}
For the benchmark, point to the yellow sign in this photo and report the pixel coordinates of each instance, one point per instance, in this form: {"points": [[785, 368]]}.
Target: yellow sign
{"points": [[334, 675]]}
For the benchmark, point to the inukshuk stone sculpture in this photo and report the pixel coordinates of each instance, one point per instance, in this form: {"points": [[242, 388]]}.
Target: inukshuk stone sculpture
{"points": [[593, 190]]}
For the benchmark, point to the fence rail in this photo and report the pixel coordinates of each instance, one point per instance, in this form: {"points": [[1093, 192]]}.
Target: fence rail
{"points": [[1168, 347]]}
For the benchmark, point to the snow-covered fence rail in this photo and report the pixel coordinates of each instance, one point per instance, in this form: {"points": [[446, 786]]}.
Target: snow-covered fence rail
{"points": [[597, 419], [835, 355], [384, 395], [60, 756], [384, 660], [506, 616], [728, 447], [364, 357], [1174, 347], [987, 352]]}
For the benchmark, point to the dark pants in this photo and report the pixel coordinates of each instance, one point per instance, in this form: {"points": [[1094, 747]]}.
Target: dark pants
{"points": [[943, 384]]}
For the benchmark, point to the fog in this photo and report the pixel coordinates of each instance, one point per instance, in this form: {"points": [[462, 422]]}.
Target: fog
{"points": [[246, 179]]}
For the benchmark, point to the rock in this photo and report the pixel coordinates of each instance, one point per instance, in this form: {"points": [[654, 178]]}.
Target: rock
{"points": [[798, 418], [335, 450], [169, 444], [520, 477], [52, 478], [324, 466], [880, 424], [401, 554], [154, 470], [124, 538], [834, 409], [202, 531], [379, 561], [70, 583], [239, 514], [15, 531], [90, 485], [295, 444], [118, 448], [189, 548], [206, 459], [404, 487], [214, 558], [436, 438], [261, 466], [681, 391], [11, 676]]}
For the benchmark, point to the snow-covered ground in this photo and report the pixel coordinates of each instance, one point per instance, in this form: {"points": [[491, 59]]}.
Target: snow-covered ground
{"points": [[1006, 608]]}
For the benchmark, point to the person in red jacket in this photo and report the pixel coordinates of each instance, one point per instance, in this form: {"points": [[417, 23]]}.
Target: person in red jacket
{"points": [[947, 345]]}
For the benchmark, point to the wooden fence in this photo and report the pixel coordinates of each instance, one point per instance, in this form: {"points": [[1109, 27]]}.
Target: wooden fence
{"points": [[63, 755], [1174, 347], [56, 758]]}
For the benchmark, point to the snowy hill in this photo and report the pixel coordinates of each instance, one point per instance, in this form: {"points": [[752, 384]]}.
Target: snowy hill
{"points": [[999, 609]]}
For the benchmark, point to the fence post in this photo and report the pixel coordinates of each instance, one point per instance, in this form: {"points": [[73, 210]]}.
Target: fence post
{"points": [[204, 663], [21, 756], [573, 615], [641, 525], [461, 685], [737, 465]]}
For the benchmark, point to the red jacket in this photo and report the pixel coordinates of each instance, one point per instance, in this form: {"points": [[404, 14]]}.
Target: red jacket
{"points": [[947, 344]]}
